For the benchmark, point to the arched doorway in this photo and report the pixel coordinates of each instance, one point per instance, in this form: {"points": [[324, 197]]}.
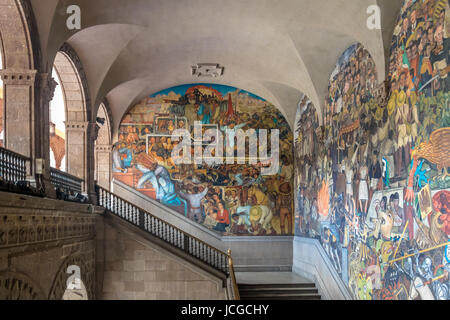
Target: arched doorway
{"points": [[76, 291], [68, 118], [57, 127]]}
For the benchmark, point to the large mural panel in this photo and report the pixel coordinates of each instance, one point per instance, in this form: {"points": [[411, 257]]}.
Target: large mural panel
{"points": [[382, 184], [231, 199]]}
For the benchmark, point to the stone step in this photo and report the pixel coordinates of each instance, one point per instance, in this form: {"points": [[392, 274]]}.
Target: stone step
{"points": [[278, 291], [276, 286], [283, 297]]}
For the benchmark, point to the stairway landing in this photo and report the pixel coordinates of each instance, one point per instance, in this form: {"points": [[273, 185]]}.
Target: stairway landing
{"points": [[275, 286]]}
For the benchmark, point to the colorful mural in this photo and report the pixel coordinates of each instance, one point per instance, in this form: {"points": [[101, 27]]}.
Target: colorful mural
{"points": [[378, 198], [231, 199]]}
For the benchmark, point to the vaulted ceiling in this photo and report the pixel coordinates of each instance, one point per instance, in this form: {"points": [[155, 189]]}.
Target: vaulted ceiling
{"points": [[275, 49]]}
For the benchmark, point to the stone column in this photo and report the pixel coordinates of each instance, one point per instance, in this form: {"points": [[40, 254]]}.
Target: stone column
{"points": [[92, 134], [103, 165], [80, 154], [19, 115], [46, 88], [76, 154]]}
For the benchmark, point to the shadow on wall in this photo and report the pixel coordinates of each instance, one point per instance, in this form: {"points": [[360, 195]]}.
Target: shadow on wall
{"points": [[375, 192]]}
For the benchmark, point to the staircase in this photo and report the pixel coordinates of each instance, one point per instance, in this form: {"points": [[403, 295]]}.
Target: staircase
{"points": [[285, 291], [163, 231], [171, 238]]}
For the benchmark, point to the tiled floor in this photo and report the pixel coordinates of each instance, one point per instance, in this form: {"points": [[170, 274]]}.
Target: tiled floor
{"points": [[269, 277]]}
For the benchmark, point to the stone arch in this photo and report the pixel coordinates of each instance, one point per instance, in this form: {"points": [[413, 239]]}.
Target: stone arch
{"points": [[77, 293], [77, 109], [16, 285], [20, 58], [103, 146], [15, 35], [87, 276]]}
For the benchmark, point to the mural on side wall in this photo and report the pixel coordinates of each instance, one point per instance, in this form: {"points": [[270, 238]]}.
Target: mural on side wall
{"points": [[384, 177], [231, 199]]}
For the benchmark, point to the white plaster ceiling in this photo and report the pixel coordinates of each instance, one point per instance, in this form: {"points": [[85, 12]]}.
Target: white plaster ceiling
{"points": [[275, 49]]}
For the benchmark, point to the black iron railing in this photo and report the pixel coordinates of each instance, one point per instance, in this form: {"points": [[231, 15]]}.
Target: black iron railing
{"points": [[172, 235], [66, 182], [13, 166]]}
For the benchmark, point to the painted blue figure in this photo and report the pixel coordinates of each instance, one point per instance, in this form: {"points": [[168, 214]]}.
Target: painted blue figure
{"points": [[129, 157], [169, 196], [149, 176], [117, 161], [419, 176], [205, 112]]}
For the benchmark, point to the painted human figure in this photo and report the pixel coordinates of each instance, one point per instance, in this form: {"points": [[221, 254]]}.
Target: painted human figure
{"points": [[233, 201], [204, 112], [349, 178], [230, 131], [363, 192], [117, 161], [284, 202], [421, 285], [330, 245], [126, 156], [223, 218], [168, 194], [194, 200], [375, 174], [399, 214]]}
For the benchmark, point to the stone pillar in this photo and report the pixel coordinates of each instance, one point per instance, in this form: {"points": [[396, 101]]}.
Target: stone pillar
{"points": [[76, 154], [46, 88], [92, 134], [103, 165], [19, 115], [80, 155]]}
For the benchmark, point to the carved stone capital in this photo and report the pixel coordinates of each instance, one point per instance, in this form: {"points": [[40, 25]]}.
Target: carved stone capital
{"points": [[18, 77], [93, 130], [47, 86]]}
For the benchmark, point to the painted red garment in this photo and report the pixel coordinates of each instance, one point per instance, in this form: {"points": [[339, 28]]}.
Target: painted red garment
{"points": [[230, 111], [223, 217]]}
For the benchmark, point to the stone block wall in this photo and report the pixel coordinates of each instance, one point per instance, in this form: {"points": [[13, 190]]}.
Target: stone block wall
{"points": [[135, 268], [39, 239]]}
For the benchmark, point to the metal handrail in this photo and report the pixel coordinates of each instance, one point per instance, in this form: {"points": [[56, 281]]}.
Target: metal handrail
{"points": [[233, 277], [141, 218], [65, 181], [13, 166]]}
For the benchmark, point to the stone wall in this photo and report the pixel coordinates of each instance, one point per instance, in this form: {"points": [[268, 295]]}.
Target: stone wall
{"points": [[249, 253], [311, 262], [135, 268], [39, 240]]}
